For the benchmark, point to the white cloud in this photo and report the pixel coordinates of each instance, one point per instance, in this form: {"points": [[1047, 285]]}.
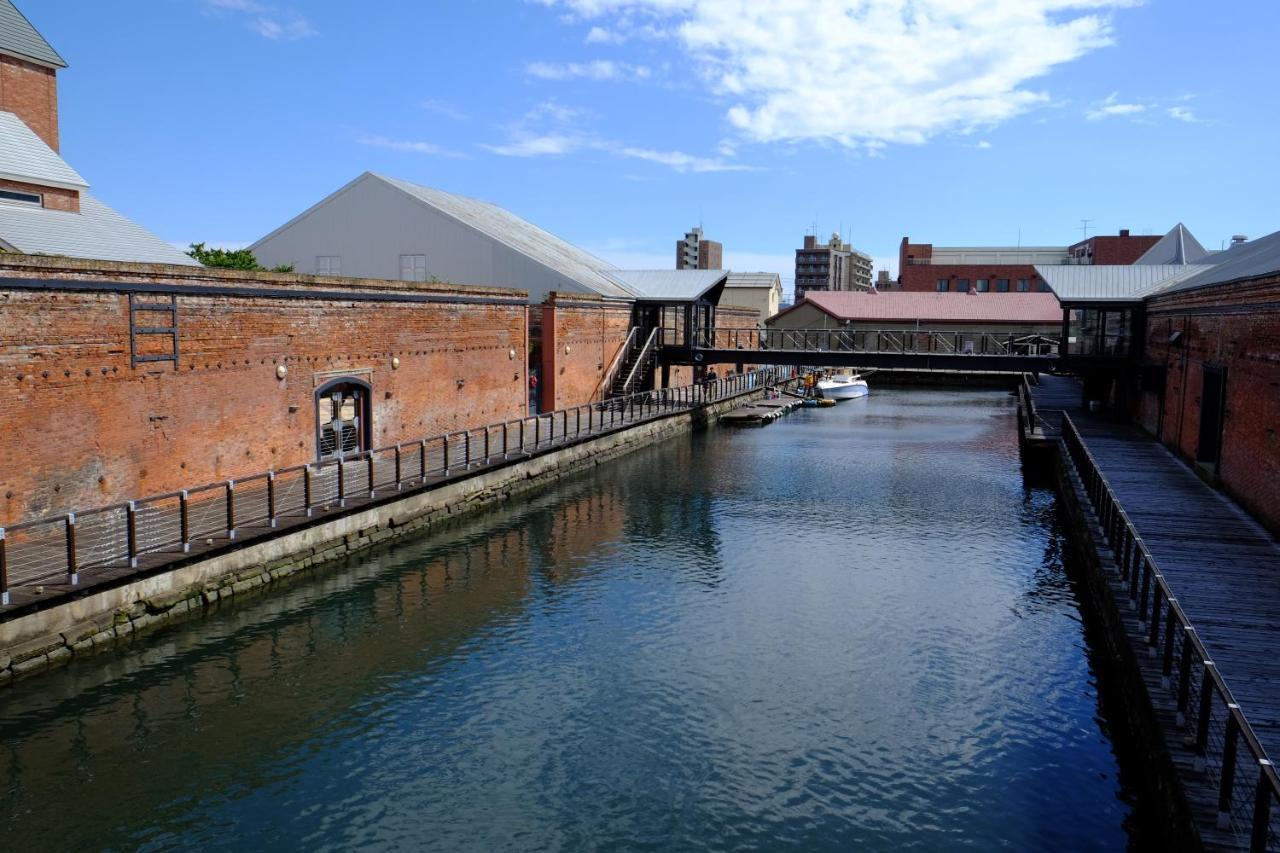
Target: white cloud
{"points": [[900, 71], [409, 146], [1112, 106], [600, 35], [1142, 110], [983, 144], [267, 21], [601, 69], [1182, 114]]}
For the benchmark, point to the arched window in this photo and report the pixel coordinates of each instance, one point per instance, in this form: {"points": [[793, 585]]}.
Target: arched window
{"points": [[342, 418]]}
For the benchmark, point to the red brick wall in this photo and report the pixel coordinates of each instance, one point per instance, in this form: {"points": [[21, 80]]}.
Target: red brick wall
{"points": [[31, 92], [593, 330], [85, 429], [923, 278], [54, 198], [1120, 250], [1237, 327]]}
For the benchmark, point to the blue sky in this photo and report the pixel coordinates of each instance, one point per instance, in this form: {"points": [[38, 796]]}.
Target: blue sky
{"points": [[617, 124]]}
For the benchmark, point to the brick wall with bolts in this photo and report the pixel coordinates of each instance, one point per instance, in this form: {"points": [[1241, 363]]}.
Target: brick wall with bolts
{"points": [[88, 429]]}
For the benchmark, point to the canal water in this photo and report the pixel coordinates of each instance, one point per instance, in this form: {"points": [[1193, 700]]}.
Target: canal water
{"points": [[850, 630]]}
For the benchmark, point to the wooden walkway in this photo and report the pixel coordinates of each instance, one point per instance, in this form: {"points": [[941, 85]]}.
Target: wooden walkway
{"points": [[1223, 567]]}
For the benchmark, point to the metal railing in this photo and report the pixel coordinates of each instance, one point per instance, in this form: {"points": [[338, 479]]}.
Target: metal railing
{"points": [[1213, 723], [619, 358], [892, 341], [642, 358], [64, 549], [1027, 399]]}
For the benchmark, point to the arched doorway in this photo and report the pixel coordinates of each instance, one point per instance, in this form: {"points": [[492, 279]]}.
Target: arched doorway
{"points": [[343, 423]]}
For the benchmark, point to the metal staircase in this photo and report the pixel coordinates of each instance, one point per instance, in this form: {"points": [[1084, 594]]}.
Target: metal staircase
{"points": [[632, 367]]}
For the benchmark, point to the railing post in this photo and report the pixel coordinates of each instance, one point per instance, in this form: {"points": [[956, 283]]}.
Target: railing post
{"points": [[1261, 810], [505, 424], [1153, 638], [466, 450], [271, 498], [4, 571], [1143, 614], [1184, 676], [537, 431], [369, 481], [486, 445], [1166, 669], [1202, 723], [577, 413], [231, 509], [184, 516], [445, 445], [306, 489], [342, 483], [399, 469], [1227, 778], [73, 569], [422, 461], [131, 532], [522, 435]]}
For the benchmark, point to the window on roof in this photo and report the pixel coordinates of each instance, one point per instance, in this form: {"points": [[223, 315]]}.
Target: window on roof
{"points": [[1023, 285], [413, 267], [22, 198], [328, 265], [983, 285], [943, 286], [962, 285], [1002, 285]]}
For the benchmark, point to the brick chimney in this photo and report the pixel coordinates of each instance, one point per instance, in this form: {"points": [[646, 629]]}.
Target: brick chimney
{"points": [[29, 76]]}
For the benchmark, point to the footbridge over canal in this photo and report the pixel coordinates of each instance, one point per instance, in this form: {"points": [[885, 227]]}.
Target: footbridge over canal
{"points": [[918, 349]]}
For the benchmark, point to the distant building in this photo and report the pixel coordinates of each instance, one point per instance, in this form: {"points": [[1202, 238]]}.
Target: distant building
{"points": [[45, 207], [695, 253], [976, 314], [884, 281], [1107, 250], [760, 291], [834, 265]]}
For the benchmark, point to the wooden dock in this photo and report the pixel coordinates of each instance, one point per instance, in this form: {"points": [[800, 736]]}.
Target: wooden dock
{"points": [[1223, 569], [759, 413]]}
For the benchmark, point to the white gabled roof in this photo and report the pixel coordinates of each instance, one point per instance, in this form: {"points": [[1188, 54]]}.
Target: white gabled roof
{"points": [[26, 158], [1113, 283], [519, 234], [677, 285], [96, 232]]}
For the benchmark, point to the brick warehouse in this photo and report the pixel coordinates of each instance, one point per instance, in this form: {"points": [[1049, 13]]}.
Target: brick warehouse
{"points": [[94, 425], [1211, 391]]}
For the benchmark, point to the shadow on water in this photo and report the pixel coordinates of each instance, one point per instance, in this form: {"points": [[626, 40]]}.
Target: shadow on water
{"points": [[853, 629]]}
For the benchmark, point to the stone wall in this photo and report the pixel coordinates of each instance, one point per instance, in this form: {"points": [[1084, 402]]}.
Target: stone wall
{"points": [[86, 428]]}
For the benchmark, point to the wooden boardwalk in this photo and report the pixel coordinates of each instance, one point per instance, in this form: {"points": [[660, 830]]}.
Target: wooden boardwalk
{"points": [[1223, 567]]}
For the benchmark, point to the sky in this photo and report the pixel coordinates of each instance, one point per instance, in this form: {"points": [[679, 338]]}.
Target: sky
{"points": [[619, 124]]}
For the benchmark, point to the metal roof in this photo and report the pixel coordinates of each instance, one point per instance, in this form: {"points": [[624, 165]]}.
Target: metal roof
{"points": [[910, 306], [518, 234], [677, 285], [753, 279], [1179, 246], [1253, 259], [26, 158], [19, 38], [96, 232], [1114, 283]]}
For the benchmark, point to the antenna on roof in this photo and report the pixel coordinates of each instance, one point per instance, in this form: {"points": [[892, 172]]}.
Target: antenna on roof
{"points": [[1084, 228]]}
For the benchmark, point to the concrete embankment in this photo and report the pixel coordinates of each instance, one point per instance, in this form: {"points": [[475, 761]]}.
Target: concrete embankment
{"points": [[107, 617]]}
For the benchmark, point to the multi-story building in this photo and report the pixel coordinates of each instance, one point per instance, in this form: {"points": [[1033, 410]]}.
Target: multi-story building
{"points": [[834, 265], [1103, 250], [884, 281], [695, 253], [759, 291]]}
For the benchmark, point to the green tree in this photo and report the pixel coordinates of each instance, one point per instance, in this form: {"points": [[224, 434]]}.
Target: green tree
{"points": [[234, 259]]}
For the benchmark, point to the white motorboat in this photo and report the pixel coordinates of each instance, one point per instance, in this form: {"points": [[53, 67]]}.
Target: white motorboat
{"points": [[844, 387]]}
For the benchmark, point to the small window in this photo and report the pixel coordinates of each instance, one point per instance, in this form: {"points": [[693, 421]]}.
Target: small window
{"points": [[983, 285], [1002, 285], [22, 198], [962, 285], [943, 285], [1023, 285], [413, 267], [328, 265]]}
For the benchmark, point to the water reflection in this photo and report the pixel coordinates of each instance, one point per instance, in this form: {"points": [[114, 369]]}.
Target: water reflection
{"points": [[851, 629]]}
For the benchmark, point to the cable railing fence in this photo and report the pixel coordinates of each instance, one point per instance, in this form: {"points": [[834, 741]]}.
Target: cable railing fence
{"points": [[1225, 747], [62, 549]]}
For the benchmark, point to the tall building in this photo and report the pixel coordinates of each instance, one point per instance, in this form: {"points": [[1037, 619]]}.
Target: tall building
{"points": [[695, 253], [45, 206], [834, 265]]}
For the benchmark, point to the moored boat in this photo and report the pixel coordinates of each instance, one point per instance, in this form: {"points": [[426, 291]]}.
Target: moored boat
{"points": [[844, 387]]}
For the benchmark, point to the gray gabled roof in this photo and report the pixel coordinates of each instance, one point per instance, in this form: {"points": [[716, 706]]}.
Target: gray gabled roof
{"points": [[519, 234], [1179, 246], [670, 285], [753, 279], [1253, 259], [96, 232], [27, 158], [18, 38], [1113, 283]]}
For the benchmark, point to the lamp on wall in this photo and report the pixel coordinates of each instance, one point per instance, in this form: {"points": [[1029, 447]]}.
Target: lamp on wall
{"points": [[395, 362], [511, 353], [281, 371]]}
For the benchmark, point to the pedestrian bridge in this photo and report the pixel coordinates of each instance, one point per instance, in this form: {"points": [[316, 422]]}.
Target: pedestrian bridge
{"points": [[917, 349]]}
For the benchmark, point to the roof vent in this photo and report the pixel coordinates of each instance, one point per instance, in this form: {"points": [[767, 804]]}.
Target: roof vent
{"points": [[1238, 240]]}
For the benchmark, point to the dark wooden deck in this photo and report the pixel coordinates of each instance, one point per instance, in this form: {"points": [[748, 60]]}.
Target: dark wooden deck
{"points": [[1223, 567]]}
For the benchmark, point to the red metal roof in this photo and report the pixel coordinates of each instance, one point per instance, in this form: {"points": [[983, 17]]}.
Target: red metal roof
{"points": [[906, 306]]}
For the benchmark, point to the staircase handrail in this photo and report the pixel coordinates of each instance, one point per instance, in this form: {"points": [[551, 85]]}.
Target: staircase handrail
{"points": [[645, 352], [606, 381]]}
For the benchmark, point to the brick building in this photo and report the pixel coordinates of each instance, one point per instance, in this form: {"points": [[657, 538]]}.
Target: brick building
{"points": [[693, 252], [1123, 248], [45, 207], [925, 268]]}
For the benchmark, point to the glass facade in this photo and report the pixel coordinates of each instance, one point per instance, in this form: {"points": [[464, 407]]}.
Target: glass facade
{"points": [[1100, 332]]}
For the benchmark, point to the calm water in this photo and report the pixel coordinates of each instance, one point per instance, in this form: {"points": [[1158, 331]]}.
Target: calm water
{"points": [[851, 629]]}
